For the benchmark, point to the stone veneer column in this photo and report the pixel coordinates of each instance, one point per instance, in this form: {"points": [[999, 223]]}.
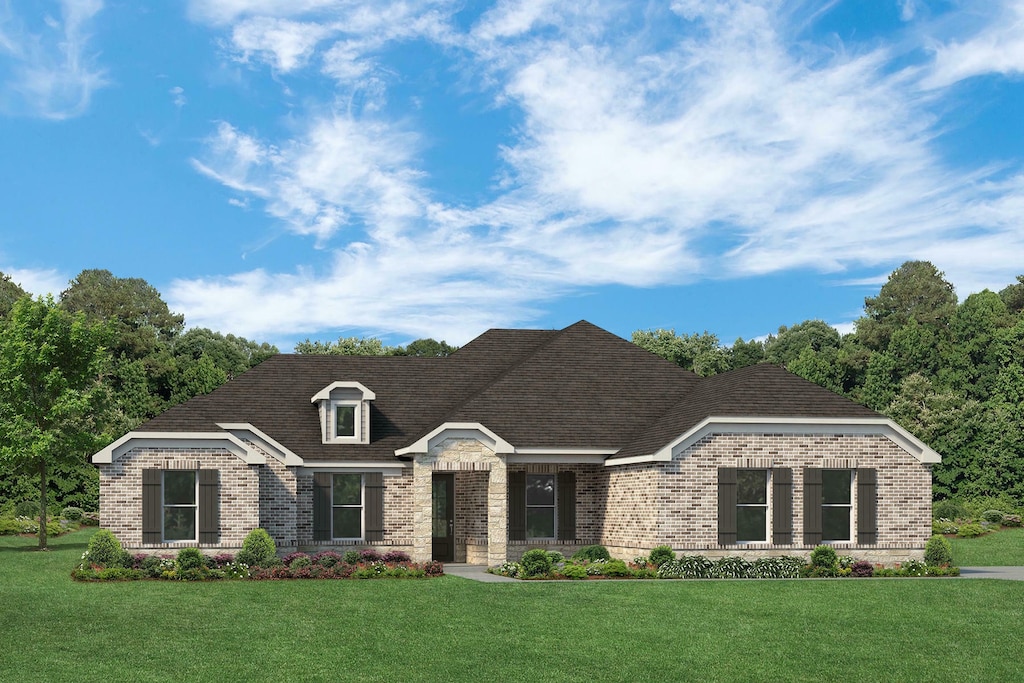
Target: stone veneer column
{"points": [[497, 513], [422, 508]]}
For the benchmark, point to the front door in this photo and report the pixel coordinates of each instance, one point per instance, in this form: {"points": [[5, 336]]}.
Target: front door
{"points": [[444, 517]]}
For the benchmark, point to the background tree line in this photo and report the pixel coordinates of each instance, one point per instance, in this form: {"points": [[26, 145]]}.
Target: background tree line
{"points": [[107, 355], [950, 372]]}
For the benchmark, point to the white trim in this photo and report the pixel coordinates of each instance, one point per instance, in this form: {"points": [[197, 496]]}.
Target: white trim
{"points": [[325, 393], [532, 450], [789, 426], [388, 470], [224, 440], [287, 457], [547, 457], [332, 421], [458, 430]]}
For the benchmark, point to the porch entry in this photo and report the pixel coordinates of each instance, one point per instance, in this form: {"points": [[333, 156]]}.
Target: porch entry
{"points": [[443, 517]]}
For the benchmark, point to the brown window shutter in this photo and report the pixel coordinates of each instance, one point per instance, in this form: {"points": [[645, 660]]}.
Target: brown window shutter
{"points": [[566, 506], [209, 506], [517, 506], [373, 500], [782, 506], [867, 506], [152, 504], [321, 506], [726, 505], [812, 506]]}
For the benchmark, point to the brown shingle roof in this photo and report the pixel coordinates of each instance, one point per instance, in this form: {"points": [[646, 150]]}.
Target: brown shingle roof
{"points": [[580, 387]]}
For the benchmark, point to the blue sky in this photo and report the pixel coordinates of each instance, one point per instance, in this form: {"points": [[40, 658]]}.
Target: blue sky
{"points": [[283, 169]]}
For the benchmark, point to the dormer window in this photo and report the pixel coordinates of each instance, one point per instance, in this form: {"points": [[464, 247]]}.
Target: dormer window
{"points": [[344, 412], [345, 422]]}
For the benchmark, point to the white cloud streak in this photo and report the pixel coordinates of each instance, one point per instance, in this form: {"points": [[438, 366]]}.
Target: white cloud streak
{"points": [[52, 73], [664, 146]]}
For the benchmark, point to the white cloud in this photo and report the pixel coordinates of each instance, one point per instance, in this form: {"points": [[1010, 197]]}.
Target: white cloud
{"points": [[177, 94], [38, 281], [52, 74], [908, 9], [711, 141], [997, 47]]}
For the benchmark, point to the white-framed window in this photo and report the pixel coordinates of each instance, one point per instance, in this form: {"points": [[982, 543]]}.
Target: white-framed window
{"points": [[836, 505], [541, 513], [345, 421], [347, 506], [752, 506], [179, 502]]}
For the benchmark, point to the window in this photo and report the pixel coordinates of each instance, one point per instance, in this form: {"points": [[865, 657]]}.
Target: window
{"points": [[751, 506], [540, 505], [345, 420], [836, 504], [179, 505], [347, 506]]}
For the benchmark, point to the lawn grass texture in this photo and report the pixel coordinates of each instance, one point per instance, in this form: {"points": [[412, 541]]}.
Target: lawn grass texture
{"points": [[451, 629], [1003, 548]]}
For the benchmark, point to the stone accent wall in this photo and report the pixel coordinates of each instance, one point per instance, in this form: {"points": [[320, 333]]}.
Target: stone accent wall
{"points": [[121, 493], [686, 498], [469, 456], [471, 517]]}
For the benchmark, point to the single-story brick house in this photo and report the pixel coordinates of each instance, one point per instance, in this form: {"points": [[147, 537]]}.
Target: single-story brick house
{"points": [[522, 438]]}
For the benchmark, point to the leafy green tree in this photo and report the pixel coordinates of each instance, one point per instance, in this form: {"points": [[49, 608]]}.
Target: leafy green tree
{"points": [[745, 353], [916, 290], [230, 354], [971, 361], [10, 292], [426, 348], [200, 377], [346, 346], [700, 353], [51, 392], [790, 342], [1013, 295], [821, 367]]}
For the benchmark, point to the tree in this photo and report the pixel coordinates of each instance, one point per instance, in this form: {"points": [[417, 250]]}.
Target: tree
{"points": [[790, 342], [51, 392], [10, 292], [699, 353], [426, 348], [1013, 295], [745, 353], [230, 354], [346, 346], [917, 291]]}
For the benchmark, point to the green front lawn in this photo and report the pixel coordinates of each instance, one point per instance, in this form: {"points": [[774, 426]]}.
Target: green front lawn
{"points": [[445, 629], [1003, 548]]}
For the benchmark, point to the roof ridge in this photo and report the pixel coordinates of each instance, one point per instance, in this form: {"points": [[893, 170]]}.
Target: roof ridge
{"points": [[484, 386]]}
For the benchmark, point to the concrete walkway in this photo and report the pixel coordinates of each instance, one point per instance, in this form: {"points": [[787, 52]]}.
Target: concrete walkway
{"points": [[1009, 573], [475, 572]]}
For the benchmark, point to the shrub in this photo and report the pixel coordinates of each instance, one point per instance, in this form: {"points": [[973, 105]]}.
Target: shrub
{"points": [[433, 568], [993, 516], [970, 530], [396, 556], [556, 557], [731, 568], [27, 508], [350, 557], [369, 556], [328, 558], [221, 560], [301, 562], [574, 571], [153, 566], [511, 569], [863, 568], [661, 554], [258, 549], [591, 553], [72, 513], [948, 509], [105, 550], [938, 552], [781, 567], [686, 567], [944, 526], [536, 562], [913, 568], [1011, 520], [824, 556], [977, 506], [189, 558], [291, 557], [615, 568]]}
